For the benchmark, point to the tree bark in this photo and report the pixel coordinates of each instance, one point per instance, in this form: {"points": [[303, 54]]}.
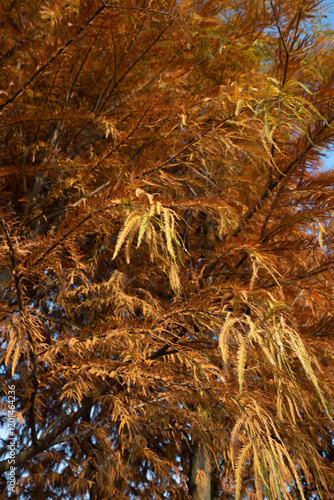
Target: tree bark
{"points": [[200, 473]]}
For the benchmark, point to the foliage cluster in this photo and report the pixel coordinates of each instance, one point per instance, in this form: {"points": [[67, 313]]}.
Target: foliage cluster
{"points": [[167, 248]]}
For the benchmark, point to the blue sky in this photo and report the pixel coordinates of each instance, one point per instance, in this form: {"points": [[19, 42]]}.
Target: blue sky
{"points": [[329, 159]]}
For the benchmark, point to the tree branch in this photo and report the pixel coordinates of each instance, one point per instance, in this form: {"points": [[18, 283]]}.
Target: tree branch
{"points": [[51, 59], [17, 279], [54, 430]]}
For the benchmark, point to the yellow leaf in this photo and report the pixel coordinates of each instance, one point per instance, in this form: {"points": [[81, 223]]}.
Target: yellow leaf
{"points": [[15, 358]]}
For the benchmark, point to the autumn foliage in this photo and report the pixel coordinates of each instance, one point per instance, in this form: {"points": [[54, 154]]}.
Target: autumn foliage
{"points": [[167, 261]]}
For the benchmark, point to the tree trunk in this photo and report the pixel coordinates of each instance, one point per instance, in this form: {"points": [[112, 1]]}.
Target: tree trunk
{"points": [[200, 473]]}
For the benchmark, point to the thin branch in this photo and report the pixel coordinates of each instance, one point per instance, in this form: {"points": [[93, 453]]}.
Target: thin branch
{"points": [[51, 59], [152, 11], [316, 333], [70, 231], [11, 51], [99, 163], [82, 64], [136, 62], [17, 276], [76, 135], [56, 429], [40, 119], [190, 144], [289, 170], [10, 8], [287, 54], [17, 280], [55, 320], [102, 421], [299, 16]]}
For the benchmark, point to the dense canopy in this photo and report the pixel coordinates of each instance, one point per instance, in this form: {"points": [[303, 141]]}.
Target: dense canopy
{"points": [[167, 259]]}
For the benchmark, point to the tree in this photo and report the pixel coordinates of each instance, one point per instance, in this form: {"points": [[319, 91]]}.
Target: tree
{"points": [[167, 263]]}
